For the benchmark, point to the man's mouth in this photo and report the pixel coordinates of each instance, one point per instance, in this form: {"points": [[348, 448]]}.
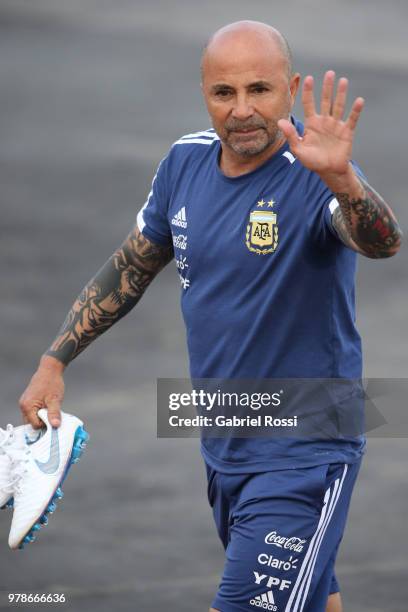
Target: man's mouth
{"points": [[247, 131]]}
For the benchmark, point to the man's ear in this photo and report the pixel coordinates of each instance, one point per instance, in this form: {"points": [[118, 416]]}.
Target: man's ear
{"points": [[294, 86]]}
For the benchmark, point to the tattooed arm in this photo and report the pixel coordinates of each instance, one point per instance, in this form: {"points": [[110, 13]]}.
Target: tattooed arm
{"points": [[363, 220], [110, 295]]}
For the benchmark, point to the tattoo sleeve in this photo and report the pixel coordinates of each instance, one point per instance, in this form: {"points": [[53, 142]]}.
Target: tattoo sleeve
{"points": [[367, 224], [110, 295]]}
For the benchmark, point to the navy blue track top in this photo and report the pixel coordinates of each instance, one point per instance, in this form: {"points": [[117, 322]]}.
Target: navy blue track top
{"points": [[267, 286]]}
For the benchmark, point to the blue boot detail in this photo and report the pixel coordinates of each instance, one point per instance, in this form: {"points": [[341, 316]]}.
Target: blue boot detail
{"points": [[78, 447], [44, 519], [29, 538]]}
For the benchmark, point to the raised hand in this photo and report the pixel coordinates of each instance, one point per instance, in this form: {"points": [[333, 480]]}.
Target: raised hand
{"points": [[327, 142]]}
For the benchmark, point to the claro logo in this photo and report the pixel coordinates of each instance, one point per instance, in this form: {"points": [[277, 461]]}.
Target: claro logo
{"points": [[295, 544]]}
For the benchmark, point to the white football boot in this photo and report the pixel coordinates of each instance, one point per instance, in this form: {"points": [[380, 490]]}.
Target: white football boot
{"points": [[40, 475], [12, 449]]}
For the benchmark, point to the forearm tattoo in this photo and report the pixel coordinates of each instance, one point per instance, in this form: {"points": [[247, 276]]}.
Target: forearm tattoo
{"points": [[367, 224], [112, 293]]}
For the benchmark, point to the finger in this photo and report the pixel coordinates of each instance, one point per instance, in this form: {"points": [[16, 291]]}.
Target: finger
{"points": [[308, 97], [355, 113], [54, 410], [340, 99], [290, 133], [31, 416], [327, 92], [29, 409]]}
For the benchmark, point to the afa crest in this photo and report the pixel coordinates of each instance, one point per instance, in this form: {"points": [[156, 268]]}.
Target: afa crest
{"points": [[262, 230]]}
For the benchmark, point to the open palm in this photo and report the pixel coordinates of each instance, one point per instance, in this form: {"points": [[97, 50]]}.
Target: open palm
{"points": [[327, 141]]}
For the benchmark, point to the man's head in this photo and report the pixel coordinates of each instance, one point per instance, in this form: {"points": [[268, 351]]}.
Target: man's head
{"points": [[248, 85]]}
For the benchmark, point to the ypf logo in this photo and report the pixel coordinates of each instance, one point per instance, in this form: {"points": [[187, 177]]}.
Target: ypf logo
{"points": [[271, 581]]}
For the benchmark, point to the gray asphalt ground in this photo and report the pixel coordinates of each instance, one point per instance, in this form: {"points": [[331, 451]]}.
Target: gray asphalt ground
{"points": [[92, 94]]}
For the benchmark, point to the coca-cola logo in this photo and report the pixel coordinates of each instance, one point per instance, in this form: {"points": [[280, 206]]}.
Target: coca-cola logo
{"points": [[295, 544], [180, 241]]}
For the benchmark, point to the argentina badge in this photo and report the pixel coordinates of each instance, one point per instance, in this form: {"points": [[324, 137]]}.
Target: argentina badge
{"points": [[262, 230]]}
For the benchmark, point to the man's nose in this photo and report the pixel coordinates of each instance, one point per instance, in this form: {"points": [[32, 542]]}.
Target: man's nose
{"points": [[242, 108]]}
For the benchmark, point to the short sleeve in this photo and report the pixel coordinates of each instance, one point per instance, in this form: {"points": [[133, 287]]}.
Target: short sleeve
{"points": [[152, 218]]}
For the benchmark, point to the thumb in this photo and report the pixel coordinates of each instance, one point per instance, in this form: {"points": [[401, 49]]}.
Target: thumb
{"points": [[290, 133], [53, 405]]}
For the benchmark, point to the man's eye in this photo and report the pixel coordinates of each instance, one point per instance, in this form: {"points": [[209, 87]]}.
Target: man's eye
{"points": [[259, 89], [223, 93]]}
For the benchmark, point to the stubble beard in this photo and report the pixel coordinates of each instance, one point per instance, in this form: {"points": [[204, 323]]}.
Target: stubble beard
{"points": [[255, 146]]}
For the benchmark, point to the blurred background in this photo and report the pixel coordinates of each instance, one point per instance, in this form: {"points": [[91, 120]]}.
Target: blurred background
{"points": [[93, 93]]}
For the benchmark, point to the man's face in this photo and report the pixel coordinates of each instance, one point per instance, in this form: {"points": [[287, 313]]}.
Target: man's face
{"points": [[246, 92]]}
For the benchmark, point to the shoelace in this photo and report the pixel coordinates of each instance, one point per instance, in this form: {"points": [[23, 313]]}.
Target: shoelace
{"points": [[7, 436], [19, 457]]}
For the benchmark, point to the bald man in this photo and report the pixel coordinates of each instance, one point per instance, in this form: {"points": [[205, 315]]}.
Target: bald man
{"points": [[264, 217]]}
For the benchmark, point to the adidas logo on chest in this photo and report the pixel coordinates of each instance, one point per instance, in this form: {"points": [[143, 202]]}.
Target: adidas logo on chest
{"points": [[180, 219]]}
